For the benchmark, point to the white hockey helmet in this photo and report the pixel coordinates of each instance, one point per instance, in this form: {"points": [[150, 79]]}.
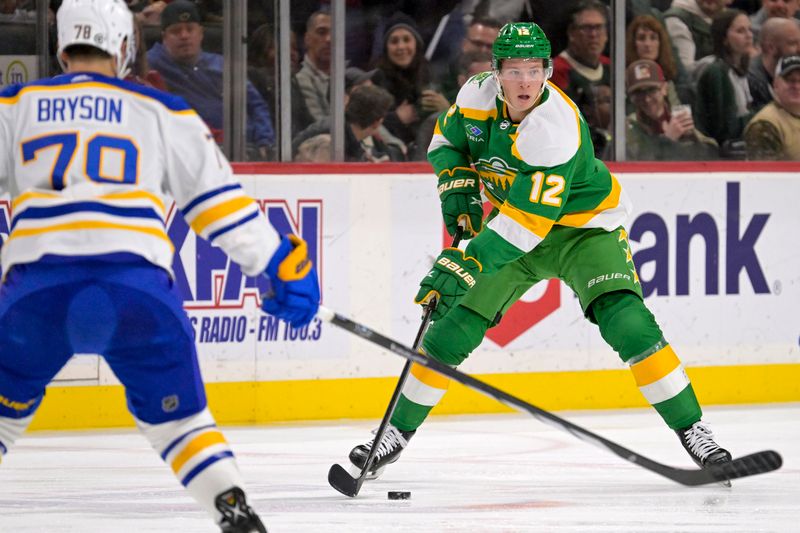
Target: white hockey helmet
{"points": [[103, 24]]}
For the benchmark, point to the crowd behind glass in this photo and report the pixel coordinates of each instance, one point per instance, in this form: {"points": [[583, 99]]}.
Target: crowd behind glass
{"points": [[704, 79]]}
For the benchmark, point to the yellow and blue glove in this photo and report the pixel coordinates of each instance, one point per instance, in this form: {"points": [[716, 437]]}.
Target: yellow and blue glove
{"points": [[295, 290], [452, 275], [460, 195]]}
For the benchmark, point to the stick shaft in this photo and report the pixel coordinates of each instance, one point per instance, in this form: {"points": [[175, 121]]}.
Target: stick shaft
{"points": [[756, 463], [401, 381]]}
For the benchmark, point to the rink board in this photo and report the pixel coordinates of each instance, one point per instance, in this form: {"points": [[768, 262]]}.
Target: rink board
{"points": [[717, 252]]}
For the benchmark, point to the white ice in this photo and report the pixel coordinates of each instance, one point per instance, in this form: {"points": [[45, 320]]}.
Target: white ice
{"points": [[500, 473]]}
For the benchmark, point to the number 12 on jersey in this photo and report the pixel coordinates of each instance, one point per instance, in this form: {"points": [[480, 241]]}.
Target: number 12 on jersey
{"points": [[96, 148], [552, 193]]}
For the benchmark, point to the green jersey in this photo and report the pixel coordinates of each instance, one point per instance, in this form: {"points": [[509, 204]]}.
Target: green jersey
{"points": [[537, 173]]}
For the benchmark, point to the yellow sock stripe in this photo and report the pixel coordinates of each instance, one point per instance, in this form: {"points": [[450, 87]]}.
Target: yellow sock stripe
{"points": [[429, 377], [211, 215], [195, 446], [655, 367]]}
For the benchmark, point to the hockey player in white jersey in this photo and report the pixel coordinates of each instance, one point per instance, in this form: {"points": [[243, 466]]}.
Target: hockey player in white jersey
{"points": [[89, 161]]}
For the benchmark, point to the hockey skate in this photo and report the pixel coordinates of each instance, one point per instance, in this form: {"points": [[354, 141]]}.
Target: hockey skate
{"points": [[389, 449], [698, 440], [237, 516]]}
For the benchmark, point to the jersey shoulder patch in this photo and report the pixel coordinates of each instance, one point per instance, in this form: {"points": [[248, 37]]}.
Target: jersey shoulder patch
{"points": [[478, 93], [551, 134]]}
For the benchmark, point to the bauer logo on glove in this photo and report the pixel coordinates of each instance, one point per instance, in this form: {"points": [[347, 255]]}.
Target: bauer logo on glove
{"points": [[460, 195], [457, 269], [457, 184], [453, 274]]}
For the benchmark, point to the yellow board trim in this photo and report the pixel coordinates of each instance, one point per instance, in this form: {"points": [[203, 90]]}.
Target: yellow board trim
{"points": [[198, 444], [429, 377], [655, 366], [93, 407]]}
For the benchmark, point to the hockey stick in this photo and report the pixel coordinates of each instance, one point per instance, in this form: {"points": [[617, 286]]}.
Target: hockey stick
{"points": [[338, 477], [749, 465]]}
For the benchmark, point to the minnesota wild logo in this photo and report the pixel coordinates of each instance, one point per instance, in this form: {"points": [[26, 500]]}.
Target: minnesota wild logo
{"points": [[482, 77], [497, 171]]}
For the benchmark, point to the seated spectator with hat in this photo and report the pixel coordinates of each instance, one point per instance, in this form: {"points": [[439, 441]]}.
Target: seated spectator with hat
{"points": [[354, 76], [197, 76], [366, 108], [774, 132], [655, 131]]}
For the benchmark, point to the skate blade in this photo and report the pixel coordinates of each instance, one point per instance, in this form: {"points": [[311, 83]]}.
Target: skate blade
{"points": [[355, 471]]}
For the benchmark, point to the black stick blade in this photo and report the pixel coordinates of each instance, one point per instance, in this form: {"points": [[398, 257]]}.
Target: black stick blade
{"points": [[341, 480], [749, 465]]}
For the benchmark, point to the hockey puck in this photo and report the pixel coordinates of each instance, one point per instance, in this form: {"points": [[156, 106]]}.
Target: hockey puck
{"points": [[399, 495]]}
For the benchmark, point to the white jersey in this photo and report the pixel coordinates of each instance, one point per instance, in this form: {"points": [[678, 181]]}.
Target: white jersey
{"points": [[90, 162]]}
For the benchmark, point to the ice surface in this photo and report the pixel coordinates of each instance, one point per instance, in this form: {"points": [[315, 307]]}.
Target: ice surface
{"points": [[498, 473]]}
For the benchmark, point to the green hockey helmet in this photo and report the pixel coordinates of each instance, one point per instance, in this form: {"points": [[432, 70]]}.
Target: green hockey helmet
{"points": [[522, 40]]}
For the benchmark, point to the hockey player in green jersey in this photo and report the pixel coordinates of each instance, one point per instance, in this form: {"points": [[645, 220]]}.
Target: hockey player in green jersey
{"points": [[558, 213]]}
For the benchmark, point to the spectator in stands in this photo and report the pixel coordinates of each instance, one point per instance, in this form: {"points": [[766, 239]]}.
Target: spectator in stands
{"points": [[646, 38], [140, 70], [689, 26], [261, 56], [317, 149], [724, 104], [17, 11], [481, 33], [657, 130], [779, 37], [366, 108], [548, 14], [507, 11], [149, 13], [406, 74], [480, 36], [774, 132], [582, 66], [469, 64], [355, 77], [197, 76], [315, 72], [773, 9]]}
